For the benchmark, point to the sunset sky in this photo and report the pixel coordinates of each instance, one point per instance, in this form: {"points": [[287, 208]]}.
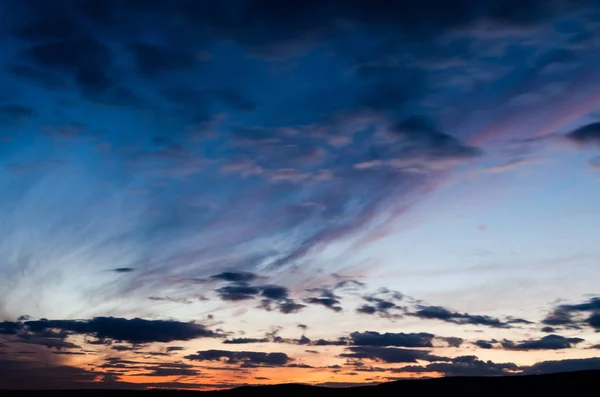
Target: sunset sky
{"points": [[205, 194]]}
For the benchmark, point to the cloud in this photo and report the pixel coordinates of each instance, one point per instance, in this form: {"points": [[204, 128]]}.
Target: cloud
{"points": [[327, 299], [382, 303], [241, 341], [50, 343], [123, 270], [466, 366], [274, 292], [548, 342], [238, 292], [586, 136], [391, 354], [10, 327], [245, 358], [371, 338], [235, 277], [443, 314], [548, 329], [134, 330], [563, 315], [484, 344], [568, 365], [288, 306]]}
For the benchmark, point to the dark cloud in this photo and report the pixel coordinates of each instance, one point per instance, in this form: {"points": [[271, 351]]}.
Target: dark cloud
{"points": [[335, 342], [367, 309], [401, 339], [175, 349], [382, 303], [288, 306], [514, 320], [87, 61], [484, 344], [328, 302], [443, 314], [568, 365], [235, 277], [241, 341], [169, 369], [49, 342], [123, 270], [452, 341], [274, 292], [548, 342], [420, 140], [135, 330], [548, 329], [349, 284], [238, 292], [588, 135], [569, 315], [10, 327], [391, 354], [245, 358], [466, 366], [327, 299]]}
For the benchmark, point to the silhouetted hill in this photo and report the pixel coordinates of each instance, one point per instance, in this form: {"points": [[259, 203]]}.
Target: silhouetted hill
{"points": [[567, 384]]}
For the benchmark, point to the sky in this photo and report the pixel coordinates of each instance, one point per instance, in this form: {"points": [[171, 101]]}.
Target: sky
{"points": [[204, 195]]}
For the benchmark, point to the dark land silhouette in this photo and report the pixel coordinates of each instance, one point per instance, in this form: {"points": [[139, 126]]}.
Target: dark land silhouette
{"points": [[567, 383]]}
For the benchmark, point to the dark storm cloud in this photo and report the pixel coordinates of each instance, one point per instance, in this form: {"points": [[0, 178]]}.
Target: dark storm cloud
{"points": [[401, 339], [466, 366], [548, 342], [245, 358], [135, 330], [391, 354], [588, 135], [443, 314]]}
